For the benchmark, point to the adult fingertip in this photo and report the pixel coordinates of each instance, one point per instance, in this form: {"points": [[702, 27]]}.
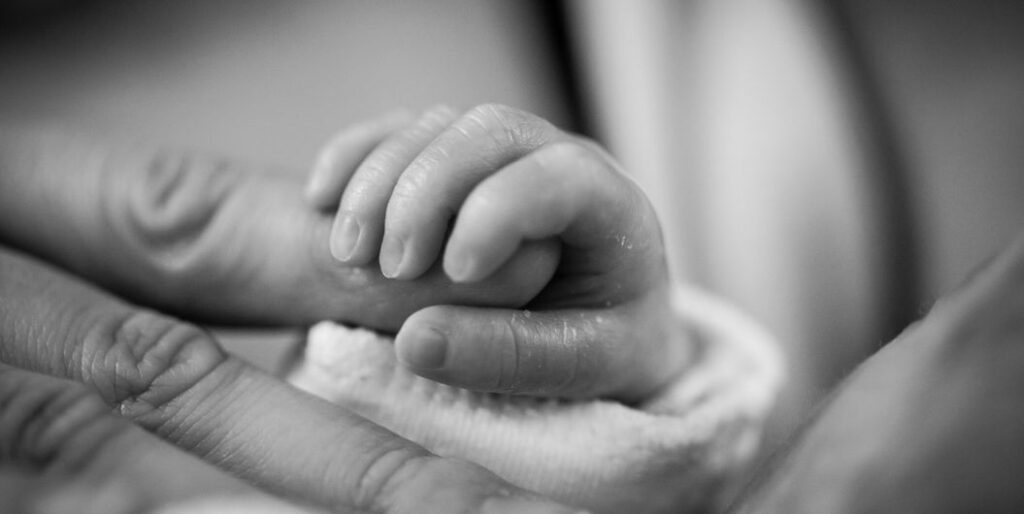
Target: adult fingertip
{"points": [[422, 348]]}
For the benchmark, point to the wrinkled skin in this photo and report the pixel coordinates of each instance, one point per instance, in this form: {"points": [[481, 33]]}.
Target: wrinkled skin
{"points": [[96, 365], [94, 387], [210, 240], [930, 424], [473, 191], [933, 423]]}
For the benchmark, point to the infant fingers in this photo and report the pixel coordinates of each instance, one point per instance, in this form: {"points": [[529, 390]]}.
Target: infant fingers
{"points": [[431, 190], [338, 159], [359, 226], [564, 190]]}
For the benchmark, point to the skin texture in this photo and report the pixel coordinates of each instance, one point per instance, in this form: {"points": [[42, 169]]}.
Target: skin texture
{"points": [[930, 424], [475, 191], [200, 238], [65, 451], [151, 224], [675, 452]]}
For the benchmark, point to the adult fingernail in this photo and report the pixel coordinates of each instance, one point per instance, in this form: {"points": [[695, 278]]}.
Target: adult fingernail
{"points": [[391, 254], [424, 349], [520, 505], [344, 237]]}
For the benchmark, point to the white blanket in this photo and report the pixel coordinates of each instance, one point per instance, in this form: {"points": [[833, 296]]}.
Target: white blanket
{"points": [[674, 453]]}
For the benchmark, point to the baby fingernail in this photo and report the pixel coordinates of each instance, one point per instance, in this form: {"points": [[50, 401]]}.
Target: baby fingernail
{"points": [[428, 349], [344, 236], [458, 266], [391, 253]]}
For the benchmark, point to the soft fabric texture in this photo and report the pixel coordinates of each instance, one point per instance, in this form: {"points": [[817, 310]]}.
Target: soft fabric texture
{"points": [[674, 453]]}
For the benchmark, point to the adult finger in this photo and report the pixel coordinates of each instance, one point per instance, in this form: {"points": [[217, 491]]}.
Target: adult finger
{"points": [[172, 379], [626, 352], [432, 188], [359, 226], [340, 157], [73, 454], [207, 238]]}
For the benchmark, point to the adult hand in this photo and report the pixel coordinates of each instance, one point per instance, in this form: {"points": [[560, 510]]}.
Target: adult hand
{"points": [[932, 423], [209, 239], [505, 181], [206, 241]]}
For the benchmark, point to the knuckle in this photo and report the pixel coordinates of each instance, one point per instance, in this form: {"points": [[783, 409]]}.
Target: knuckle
{"points": [[505, 128], [498, 124], [579, 163], [381, 480], [509, 378], [490, 112], [542, 357], [576, 154], [569, 341], [145, 360], [520, 128], [170, 209], [46, 421]]}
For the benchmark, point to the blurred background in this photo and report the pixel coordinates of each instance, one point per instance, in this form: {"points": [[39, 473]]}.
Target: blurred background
{"points": [[831, 167]]}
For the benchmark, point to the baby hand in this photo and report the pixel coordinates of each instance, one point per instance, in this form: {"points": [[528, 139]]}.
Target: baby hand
{"points": [[470, 191]]}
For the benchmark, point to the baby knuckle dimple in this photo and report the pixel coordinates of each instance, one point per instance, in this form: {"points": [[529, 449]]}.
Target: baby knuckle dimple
{"points": [[145, 360], [44, 420], [488, 113], [501, 125], [560, 156], [514, 127]]}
